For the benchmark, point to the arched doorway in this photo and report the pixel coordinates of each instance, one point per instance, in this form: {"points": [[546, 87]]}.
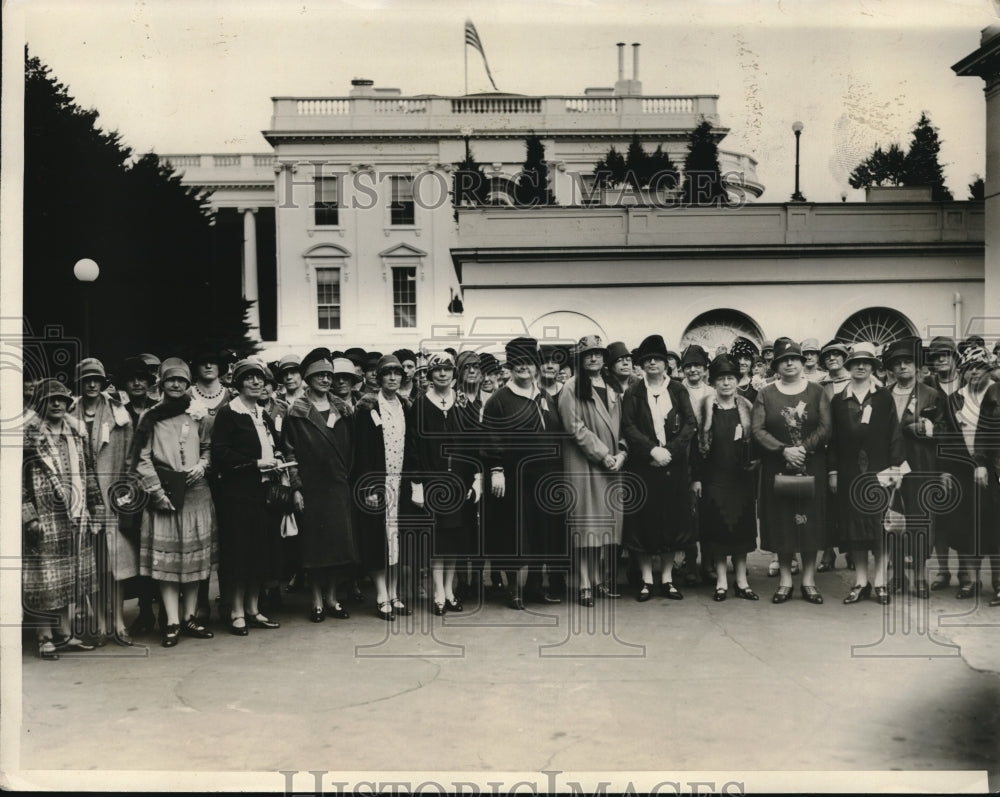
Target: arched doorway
{"points": [[565, 325], [720, 328], [878, 325]]}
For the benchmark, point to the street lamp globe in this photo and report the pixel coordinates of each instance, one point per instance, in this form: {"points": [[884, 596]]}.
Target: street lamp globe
{"points": [[86, 270], [797, 127]]}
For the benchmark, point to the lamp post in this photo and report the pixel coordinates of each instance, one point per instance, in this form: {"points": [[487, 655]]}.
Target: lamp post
{"points": [[797, 129], [87, 272]]}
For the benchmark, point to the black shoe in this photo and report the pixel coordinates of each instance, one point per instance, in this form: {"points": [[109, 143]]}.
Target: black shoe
{"points": [[260, 621], [781, 594], [238, 630], [720, 594], [400, 608], [47, 649], [604, 591], [995, 601], [882, 596], [337, 611], [437, 609], [72, 643], [668, 590], [941, 581], [192, 628], [922, 591], [858, 593], [645, 592], [384, 611], [968, 590], [143, 624], [811, 594], [745, 592], [452, 605], [587, 597], [171, 633], [316, 614]]}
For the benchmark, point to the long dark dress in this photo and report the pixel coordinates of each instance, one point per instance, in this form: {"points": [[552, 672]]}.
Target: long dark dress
{"points": [[249, 530], [444, 458], [324, 456], [858, 451], [792, 525], [524, 437], [660, 521], [728, 517]]}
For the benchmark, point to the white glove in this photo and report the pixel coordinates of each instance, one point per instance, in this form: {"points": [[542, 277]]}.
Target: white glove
{"points": [[417, 494], [498, 483], [477, 488]]}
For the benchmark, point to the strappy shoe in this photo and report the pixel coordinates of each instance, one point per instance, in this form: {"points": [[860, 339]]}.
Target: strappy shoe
{"points": [[400, 608], [72, 643], [995, 601], [882, 595], [968, 590], [668, 590], [453, 605], [604, 591], [645, 592], [193, 628], [745, 592], [46, 649], [384, 611], [811, 594], [337, 611], [858, 593], [438, 609], [171, 635], [781, 594], [720, 594], [260, 621]]}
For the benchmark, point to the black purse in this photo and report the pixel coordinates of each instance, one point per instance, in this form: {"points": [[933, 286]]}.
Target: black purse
{"points": [[278, 496]]}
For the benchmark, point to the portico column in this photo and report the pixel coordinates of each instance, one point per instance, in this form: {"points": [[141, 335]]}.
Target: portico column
{"points": [[985, 63], [250, 292]]}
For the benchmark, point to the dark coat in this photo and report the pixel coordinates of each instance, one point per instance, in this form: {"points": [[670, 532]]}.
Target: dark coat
{"points": [[662, 522], [249, 530], [324, 456]]}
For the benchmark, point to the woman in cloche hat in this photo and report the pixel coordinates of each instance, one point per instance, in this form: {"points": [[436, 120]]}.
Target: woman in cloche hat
{"points": [[791, 423], [865, 441]]}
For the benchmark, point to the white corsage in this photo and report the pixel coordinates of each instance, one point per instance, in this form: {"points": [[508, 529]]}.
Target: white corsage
{"points": [[197, 411], [376, 418], [119, 414]]}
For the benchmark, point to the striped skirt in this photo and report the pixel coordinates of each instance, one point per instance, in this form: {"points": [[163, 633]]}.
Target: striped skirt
{"points": [[180, 546]]}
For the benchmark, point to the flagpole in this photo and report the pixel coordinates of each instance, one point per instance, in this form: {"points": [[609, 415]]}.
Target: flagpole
{"points": [[465, 48]]}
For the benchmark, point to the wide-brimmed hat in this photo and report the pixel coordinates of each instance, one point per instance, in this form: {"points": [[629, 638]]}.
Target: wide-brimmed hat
{"points": [[785, 348], [440, 359], [522, 351], [723, 365], [387, 362], [318, 361], [343, 366], [694, 355], [811, 345], [91, 367], [49, 389], [467, 358], [863, 351], [651, 346], [209, 356], [589, 343], [834, 347], [616, 351], [911, 348], [554, 353], [975, 355], [357, 355], [151, 361], [173, 367], [247, 366], [371, 361]]}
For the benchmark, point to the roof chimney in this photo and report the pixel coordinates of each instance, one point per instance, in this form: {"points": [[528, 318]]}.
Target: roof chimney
{"points": [[635, 61], [621, 60]]}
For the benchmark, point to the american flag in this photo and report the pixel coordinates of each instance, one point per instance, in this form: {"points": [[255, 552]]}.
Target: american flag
{"points": [[472, 37]]}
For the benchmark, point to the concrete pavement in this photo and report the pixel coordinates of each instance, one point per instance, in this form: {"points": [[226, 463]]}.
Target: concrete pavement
{"points": [[666, 685]]}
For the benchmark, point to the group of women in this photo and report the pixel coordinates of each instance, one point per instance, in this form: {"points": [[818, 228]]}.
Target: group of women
{"points": [[541, 474]]}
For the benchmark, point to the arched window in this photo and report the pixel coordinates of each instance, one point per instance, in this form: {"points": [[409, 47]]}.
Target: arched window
{"points": [[720, 328], [878, 325]]}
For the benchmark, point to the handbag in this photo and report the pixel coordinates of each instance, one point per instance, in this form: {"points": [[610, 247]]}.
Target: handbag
{"points": [[278, 494], [801, 486], [895, 518], [289, 526]]}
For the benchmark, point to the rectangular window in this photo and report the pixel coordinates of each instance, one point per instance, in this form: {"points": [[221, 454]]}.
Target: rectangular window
{"points": [[328, 298], [325, 209], [404, 296], [401, 209]]}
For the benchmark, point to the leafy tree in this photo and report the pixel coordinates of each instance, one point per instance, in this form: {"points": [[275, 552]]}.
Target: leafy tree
{"points": [[168, 283], [702, 173], [977, 189], [919, 166], [532, 187]]}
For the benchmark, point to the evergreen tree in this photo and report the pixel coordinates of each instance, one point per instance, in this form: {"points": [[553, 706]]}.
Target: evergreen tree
{"points": [[920, 166], [470, 185], [610, 170], [532, 187], [977, 189], [636, 172], [168, 282], [882, 167], [661, 173], [702, 174]]}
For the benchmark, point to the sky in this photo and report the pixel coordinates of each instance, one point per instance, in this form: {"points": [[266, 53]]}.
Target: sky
{"points": [[182, 76]]}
